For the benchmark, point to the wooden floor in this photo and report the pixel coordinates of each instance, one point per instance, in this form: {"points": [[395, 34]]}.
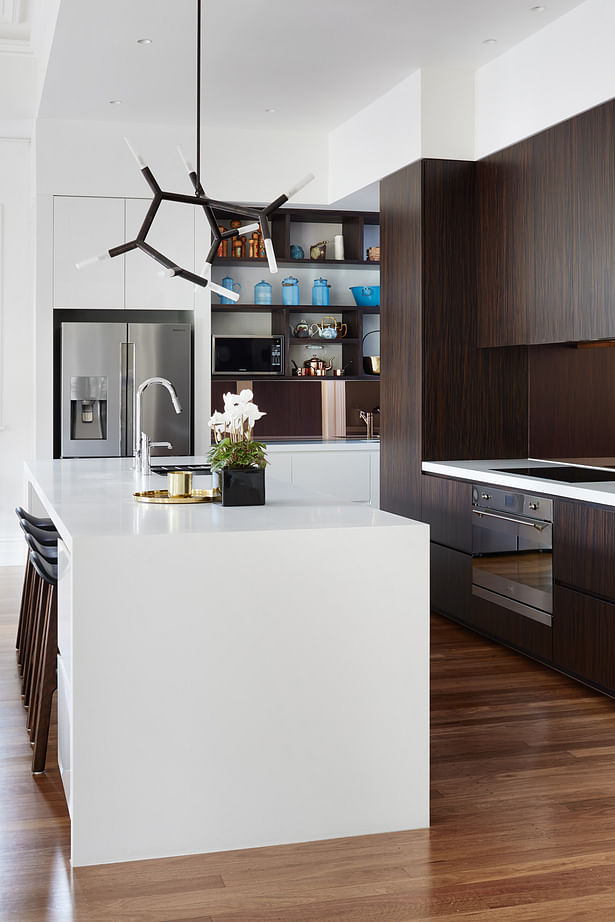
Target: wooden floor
{"points": [[523, 819]]}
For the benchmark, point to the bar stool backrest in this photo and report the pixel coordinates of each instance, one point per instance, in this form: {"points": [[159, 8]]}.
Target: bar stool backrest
{"points": [[46, 553], [37, 520], [44, 536], [46, 570]]}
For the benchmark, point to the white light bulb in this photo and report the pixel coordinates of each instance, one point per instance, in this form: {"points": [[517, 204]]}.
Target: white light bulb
{"points": [[91, 260], [300, 185], [273, 266], [140, 161]]}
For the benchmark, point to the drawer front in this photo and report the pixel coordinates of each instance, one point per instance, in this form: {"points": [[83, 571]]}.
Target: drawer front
{"points": [[447, 508], [513, 629], [584, 547], [584, 637]]}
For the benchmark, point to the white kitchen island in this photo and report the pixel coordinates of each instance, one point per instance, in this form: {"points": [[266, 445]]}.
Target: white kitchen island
{"points": [[234, 677]]}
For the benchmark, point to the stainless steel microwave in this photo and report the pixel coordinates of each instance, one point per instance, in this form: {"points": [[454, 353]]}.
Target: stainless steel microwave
{"points": [[247, 355]]}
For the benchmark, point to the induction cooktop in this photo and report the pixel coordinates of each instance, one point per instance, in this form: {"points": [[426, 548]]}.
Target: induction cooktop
{"points": [[563, 473]]}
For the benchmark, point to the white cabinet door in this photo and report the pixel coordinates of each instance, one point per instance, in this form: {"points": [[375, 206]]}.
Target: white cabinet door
{"points": [[85, 227], [343, 474], [172, 234]]}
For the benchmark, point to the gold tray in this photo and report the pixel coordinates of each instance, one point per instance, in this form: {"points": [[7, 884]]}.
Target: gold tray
{"points": [[162, 497]]}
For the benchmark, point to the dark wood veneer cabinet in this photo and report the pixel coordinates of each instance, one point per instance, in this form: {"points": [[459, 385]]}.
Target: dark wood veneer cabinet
{"points": [[584, 547], [584, 637], [547, 235], [584, 592], [447, 506]]}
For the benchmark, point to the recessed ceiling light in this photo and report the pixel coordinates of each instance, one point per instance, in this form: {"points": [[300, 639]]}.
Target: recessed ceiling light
{"points": [[144, 41], [270, 110], [538, 9], [115, 102], [489, 41]]}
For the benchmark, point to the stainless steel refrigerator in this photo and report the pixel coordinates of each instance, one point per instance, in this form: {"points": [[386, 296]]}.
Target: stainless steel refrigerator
{"points": [[102, 366]]}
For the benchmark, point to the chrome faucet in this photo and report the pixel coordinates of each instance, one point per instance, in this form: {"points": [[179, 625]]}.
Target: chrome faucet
{"points": [[368, 418], [143, 444]]}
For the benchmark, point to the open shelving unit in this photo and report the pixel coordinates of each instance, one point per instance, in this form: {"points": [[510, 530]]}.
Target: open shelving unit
{"points": [[294, 410]]}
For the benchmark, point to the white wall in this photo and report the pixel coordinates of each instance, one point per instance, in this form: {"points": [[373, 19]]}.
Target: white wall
{"points": [[91, 158], [447, 114], [429, 114], [562, 70], [16, 337], [381, 138]]}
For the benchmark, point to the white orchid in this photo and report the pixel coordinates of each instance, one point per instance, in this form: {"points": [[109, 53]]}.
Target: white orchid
{"points": [[238, 418]]}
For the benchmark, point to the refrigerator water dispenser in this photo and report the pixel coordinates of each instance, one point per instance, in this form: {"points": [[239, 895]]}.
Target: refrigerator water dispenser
{"points": [[88, 407]]}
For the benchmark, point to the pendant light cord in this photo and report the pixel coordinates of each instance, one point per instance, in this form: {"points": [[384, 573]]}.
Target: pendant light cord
{"points": [[198, 94]]}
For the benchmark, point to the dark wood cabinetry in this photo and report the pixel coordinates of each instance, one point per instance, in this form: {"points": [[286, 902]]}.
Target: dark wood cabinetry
{"points": [[584, 592], [584, 547], [547, 235], [584, 637], [510, 628], [446, 508], [441, 396]]}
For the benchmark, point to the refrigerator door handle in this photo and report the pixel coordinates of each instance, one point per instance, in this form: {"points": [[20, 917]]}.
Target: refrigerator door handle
{"points": [[127, 391]]}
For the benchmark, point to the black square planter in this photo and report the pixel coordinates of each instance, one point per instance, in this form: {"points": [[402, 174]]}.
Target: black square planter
{"points": [[243, 487]]}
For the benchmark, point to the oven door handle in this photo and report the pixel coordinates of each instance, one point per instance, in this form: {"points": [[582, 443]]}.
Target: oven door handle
{"points": [[540, 526]]}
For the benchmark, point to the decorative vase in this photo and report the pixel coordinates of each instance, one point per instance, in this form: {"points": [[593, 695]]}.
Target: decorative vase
{"points": [[243, 487]]}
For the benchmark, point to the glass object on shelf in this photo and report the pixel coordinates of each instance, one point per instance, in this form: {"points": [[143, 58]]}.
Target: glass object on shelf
{"points": [[320, 292], [296, 251], [263, 293], [290, 290], [232, 285]]}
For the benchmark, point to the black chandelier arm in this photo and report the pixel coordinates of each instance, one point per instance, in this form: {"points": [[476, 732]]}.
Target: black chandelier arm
{"points": [[213, 250], [149, 217], [233, 208], [281, 200], [213, 224], [149, 178], [157, 255], [191, 277], [123, 248]]}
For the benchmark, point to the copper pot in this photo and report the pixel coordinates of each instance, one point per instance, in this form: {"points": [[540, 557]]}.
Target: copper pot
{"points": [[318, 365]]}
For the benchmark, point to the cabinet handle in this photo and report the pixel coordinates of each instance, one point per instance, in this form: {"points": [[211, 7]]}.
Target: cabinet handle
{"points": [[540, 526]]}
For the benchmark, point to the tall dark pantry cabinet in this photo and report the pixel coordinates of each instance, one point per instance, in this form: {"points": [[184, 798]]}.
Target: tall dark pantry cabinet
{"points": [[441, 396]]}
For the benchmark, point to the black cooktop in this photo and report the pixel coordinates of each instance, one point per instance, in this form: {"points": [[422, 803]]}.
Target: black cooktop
{"points": [[563, 473]]}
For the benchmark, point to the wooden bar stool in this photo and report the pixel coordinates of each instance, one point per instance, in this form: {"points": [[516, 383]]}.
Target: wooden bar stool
{"points": [[46, 544], [35, 615], [46, 525], [44, 673]]}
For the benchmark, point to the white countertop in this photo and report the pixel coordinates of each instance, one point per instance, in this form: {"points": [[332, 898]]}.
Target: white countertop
{"points": [[316, 444], [93, 497], [483, 472]]}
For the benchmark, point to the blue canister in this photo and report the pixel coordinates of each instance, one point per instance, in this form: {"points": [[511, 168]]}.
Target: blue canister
{"points": [[290, 290], [320, 293], [227, 282], [263, 293]]}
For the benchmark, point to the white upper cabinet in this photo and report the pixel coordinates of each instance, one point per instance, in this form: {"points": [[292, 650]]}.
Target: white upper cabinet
{"points": [[86, 227], [172, 234]]}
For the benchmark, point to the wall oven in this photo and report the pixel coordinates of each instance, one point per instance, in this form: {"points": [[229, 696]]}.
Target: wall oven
{"points": [[512, 536]]}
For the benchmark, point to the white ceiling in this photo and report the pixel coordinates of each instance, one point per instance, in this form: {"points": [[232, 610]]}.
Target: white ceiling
{"points": [[316, 65]]}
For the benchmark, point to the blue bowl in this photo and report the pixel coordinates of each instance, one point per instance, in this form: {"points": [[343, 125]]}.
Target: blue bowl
{"points": [[366, 295]]}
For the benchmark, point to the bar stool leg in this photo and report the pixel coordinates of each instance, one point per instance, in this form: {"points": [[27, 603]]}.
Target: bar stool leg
{"points": [[24, 609], [47, 685]]}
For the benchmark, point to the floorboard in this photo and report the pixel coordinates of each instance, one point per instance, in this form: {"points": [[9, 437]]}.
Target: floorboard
{"points": [[523, 818]]}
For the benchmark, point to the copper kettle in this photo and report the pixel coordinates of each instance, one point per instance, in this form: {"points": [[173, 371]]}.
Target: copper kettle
{"points": [[318, 366]]}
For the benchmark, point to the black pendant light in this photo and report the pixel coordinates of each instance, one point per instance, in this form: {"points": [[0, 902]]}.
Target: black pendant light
{"points": [[214, 209]]}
